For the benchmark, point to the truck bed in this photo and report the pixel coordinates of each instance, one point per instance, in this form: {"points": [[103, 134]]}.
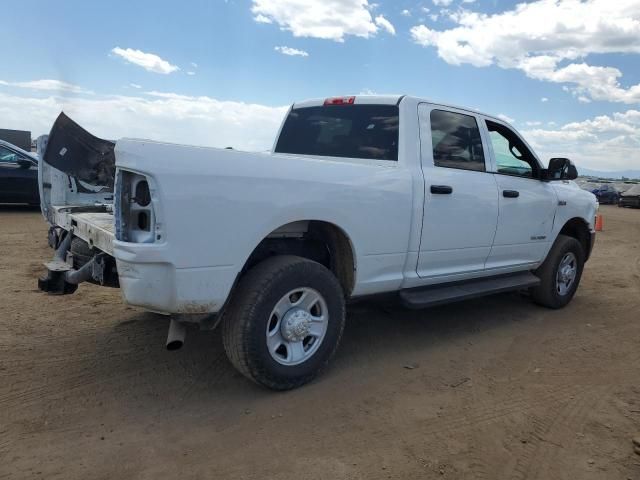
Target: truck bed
{"points": [[94, 227]]}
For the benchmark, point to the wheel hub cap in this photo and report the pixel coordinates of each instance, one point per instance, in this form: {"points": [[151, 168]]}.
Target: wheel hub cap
{"points": [[566, 275], [296, 325]]}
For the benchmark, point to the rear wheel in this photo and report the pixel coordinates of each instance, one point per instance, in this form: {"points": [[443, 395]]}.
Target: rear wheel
{"points": [[284, 322], [560, 273]]}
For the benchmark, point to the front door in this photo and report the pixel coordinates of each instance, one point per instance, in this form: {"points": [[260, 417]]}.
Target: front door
{"points": [[527, 205], [461, 199], [18, 181]]}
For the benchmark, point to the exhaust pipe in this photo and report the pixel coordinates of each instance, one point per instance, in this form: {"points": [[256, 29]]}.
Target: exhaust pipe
{"points": [[175, 337]]}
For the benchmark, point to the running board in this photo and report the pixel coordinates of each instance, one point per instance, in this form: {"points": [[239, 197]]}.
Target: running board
{"points": [[453, 292]]}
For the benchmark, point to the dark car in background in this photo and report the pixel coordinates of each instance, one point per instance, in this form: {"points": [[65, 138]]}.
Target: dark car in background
{"points": [[606, 194], [18, 175], [630, 198]]}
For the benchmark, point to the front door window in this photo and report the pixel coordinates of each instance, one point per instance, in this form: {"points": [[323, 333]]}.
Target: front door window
{"points": [[511, 154]]}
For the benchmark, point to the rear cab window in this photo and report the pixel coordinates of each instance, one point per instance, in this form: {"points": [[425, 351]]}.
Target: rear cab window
{"points": [[352, 131]]}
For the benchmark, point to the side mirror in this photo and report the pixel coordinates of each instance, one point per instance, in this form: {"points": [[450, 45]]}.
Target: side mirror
{"points": [[24, 163], [561, 169]]}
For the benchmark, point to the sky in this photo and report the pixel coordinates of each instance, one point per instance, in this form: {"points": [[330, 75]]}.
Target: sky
{"points": [[565, 73]]}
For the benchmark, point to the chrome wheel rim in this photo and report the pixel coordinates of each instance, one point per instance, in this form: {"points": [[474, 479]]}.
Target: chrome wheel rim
{"points": [[297, 326], [567, 271]]}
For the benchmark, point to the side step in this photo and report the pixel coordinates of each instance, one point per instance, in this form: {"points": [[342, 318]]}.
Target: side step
{"points": [[453, 292]]}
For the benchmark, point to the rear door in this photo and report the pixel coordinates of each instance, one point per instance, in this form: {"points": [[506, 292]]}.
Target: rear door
{"points": [[461, 199], [527, 205]]}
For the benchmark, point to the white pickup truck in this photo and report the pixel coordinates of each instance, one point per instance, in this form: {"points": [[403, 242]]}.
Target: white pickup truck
{"points": [[360, 196]]}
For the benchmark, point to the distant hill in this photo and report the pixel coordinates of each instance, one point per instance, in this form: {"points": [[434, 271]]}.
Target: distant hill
{"points": [[586, 172]]}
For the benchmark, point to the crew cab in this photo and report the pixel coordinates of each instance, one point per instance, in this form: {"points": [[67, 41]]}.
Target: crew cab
{"points": [[360, 196]]}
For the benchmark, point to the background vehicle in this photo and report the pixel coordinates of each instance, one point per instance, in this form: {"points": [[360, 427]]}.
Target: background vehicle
{"points": [[630, 198], [18, 175], [606, 194], [362, 196]]}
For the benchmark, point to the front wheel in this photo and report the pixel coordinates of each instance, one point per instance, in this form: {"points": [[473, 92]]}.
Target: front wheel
{"points": [[284, 322], [560, 273]]}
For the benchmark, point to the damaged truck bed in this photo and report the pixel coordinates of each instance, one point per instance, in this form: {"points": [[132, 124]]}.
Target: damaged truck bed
{"points": [[95, 226], [77, 174]]}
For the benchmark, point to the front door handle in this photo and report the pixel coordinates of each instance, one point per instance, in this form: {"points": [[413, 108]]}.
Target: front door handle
{"points": [[510, 193], [441, 189]]}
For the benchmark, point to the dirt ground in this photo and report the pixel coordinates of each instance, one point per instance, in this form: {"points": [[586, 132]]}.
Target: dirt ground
{"points": [[495, 388]]}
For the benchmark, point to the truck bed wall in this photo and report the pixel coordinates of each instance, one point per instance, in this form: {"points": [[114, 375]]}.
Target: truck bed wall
{"points": [[205, 193]]}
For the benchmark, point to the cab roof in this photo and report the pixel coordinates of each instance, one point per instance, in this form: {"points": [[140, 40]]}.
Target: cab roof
{"points": [[384, 100]]}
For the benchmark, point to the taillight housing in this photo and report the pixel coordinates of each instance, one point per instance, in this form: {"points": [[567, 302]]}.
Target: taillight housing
{"points": [[135, 217]]}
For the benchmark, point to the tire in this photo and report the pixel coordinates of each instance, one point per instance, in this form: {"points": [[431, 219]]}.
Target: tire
{"points": [[82, 252], [250, 321], [552, 291]]}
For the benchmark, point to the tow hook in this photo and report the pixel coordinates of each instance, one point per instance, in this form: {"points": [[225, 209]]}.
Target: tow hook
{"points": [[62, 278]]}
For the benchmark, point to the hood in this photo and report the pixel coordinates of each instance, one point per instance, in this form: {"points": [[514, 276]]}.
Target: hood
{"points": [[632, 192], [74, 151]]}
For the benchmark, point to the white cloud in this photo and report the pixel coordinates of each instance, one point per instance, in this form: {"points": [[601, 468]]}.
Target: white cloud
{"points": [[442, 3], [606, 142], [149, 61], [262, 19], [405, 13], [292, 52], [160, 115], [194, 64], [191, 73], [326, 19], [544, 99], [547, 40], [533, 123], [47, 85], [135, 85], [385, 24], [506, 118]]}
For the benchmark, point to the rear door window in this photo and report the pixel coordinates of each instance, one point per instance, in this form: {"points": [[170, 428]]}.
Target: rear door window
{"points": [[354, 131], [456, 141]]}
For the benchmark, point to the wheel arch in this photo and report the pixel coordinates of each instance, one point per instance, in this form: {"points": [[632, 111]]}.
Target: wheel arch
{"points": [[578, 228], [318, 240]]}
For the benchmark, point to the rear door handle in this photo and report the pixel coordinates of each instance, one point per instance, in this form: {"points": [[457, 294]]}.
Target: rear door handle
{"points": [[510, 193], [441, 189]]}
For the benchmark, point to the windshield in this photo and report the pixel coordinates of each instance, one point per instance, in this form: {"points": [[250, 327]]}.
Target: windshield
{"points": [[355, 131]]}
